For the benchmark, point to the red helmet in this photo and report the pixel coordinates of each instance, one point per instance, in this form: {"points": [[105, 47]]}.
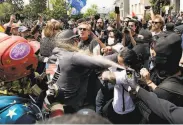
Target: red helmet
{"points": [[17, 57]]}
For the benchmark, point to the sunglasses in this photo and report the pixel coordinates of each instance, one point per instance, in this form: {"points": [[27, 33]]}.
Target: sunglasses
{"points": [[110, 31], [153, 22], [84, 29]]}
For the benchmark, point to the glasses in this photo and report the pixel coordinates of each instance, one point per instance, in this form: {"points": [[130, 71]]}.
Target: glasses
{"points": [[84, 29], [153, 22]]}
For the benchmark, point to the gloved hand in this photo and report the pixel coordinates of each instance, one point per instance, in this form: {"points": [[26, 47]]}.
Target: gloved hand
{"points": [[51, 94], [51, 60], [131, 79]]}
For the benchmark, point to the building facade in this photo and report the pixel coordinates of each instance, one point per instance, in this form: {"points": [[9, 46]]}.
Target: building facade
{"points": [[124, 7], [137, 6], [178, 5]]}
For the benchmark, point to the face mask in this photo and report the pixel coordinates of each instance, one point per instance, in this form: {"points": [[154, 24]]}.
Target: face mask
{"points": [[110, 41]]}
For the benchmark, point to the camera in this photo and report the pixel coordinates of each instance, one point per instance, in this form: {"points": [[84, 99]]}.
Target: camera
{"points": [[126, 30], [105, 32], [116, 9], [97, 16], [147, 7]]}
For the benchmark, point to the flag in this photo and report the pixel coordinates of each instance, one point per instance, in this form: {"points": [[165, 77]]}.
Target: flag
{"points": [[74, 11], [50, 70], [2, 29], [133, 14], [77, 4]]}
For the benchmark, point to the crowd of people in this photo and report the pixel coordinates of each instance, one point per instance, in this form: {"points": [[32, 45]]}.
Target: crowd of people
{"points": [[91, 70]]}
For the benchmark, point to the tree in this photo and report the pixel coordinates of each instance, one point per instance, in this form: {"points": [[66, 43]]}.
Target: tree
{"points": [[17, 5], [38, 6], [59, 9], [27, 12], [91, 11], [112, 15], [158, 5], [6, 9]]}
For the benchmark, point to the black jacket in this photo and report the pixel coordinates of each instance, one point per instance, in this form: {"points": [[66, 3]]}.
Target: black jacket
{"points": [[164, 109], [74, 74]]}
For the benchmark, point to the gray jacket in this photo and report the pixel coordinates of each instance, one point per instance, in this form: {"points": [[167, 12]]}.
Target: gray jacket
{"points": [[74, 73]]}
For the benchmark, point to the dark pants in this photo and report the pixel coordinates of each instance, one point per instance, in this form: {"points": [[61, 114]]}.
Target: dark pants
{"points": [[133, 117], [103, 96]]}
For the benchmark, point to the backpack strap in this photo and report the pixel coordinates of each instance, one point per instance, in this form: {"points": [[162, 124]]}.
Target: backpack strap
{"points": [[172, 85]]}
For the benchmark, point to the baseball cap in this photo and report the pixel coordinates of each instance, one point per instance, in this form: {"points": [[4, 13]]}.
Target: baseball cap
{"points": [[22, 29], [66, 35]]}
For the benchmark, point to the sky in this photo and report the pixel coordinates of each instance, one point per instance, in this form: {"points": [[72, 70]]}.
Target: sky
{"points": [[99, 3]]}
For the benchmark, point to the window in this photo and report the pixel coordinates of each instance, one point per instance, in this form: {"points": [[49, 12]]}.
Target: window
{"points": [[135, 8], [139, 8], [132, 8]]}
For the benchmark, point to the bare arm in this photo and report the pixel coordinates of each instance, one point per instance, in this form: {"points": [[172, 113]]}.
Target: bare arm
{"points": [[152, 14], [124, 39], [132, 39]]}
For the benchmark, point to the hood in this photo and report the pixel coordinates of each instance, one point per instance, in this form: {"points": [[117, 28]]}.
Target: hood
{"points": [[179, 28]]}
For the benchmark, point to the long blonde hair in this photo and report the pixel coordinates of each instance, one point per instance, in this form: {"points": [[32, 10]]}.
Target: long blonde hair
{"points": [[51, 28], [69, 46]]}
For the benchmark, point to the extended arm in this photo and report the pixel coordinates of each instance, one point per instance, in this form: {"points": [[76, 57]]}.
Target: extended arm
{"points": [[93, 62]]}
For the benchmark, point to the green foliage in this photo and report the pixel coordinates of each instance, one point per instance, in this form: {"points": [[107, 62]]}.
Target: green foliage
{"points": [[10, 7], [159, 4], [148, 16], [76, 17], [112, 15], [38, 6], [91, 11], [58, 11], [6, 10], [17, 5], [27, 11]]}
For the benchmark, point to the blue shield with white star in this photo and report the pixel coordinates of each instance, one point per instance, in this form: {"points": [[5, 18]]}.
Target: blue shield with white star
{"points": [[12, 108]]}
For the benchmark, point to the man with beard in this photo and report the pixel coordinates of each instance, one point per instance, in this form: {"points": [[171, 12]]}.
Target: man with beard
{"points": [[157, 25], [99, 27], [100, 30]]}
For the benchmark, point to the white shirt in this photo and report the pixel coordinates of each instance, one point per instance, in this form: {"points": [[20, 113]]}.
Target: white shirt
{"points": [[117, 47], [118, 94], [154, 33]]}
